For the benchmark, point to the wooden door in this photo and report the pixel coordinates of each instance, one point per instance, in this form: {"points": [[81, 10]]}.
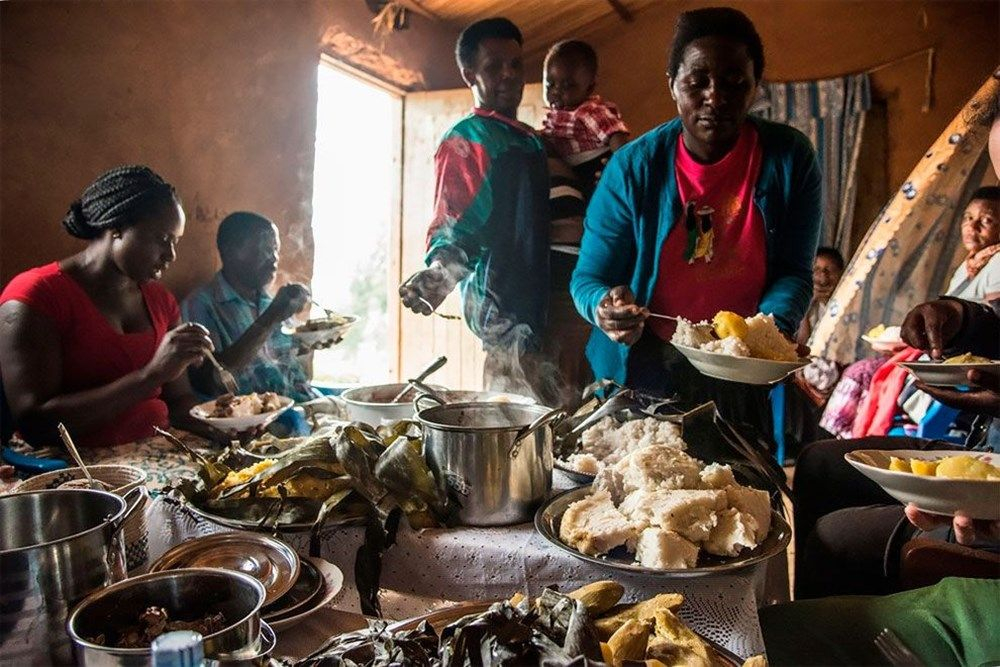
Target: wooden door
{"points": [[419, 339]]}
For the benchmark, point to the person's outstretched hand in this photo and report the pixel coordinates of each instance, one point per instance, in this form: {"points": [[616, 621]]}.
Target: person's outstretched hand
{"points": [[966, 530], [619, 317], [424, 291], [290, 299], [931, 326]]}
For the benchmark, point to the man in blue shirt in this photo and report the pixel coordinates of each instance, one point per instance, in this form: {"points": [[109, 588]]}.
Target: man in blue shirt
{"points": [[243, 319]]}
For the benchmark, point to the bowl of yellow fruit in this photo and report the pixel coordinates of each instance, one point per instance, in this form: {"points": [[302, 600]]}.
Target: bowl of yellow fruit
{"points": [[936, 481]]}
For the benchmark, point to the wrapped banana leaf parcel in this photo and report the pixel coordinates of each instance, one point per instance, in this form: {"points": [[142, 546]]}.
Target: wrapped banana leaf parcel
{"points": [[354, 475], [553, 630]]}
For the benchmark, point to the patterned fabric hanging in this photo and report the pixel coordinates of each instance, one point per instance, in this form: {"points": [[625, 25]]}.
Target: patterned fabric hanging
{"points": [[831, 112], [914, 245]]}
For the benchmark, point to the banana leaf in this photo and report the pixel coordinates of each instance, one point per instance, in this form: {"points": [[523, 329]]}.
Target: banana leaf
{"points": [[309, 454], [380, 534], [404, 471], [358, 449], [329, 505]]}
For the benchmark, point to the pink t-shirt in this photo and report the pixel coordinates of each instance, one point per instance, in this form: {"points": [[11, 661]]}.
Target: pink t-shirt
{"points": [[715, 256]]}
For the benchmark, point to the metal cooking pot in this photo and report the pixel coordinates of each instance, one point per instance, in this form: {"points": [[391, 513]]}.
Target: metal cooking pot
{"points": [[185, 594], [55, 548], [496, 456], [370, 404]]}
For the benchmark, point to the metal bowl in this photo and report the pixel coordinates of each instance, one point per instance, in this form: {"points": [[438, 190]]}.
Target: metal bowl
{"points": [[185, 594]]}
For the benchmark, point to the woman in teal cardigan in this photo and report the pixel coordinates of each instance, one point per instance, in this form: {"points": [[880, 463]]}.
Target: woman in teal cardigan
{"points": [[714, 210]]}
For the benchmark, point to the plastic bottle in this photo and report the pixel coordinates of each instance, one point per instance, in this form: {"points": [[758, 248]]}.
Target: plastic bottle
{"points": [[182, 648]]}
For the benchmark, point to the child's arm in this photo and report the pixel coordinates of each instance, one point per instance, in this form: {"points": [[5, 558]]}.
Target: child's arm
{"points": [[617, 140]]}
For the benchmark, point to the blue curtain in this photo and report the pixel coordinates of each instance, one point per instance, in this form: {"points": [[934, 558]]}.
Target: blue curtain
{"points": [[831, 112]]}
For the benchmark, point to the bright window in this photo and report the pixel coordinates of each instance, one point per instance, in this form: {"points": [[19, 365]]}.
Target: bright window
{"points": [[355, 180]]}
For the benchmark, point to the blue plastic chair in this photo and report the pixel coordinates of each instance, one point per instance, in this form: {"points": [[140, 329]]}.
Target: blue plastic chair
{"points": [[936, 424], [26, 466]]}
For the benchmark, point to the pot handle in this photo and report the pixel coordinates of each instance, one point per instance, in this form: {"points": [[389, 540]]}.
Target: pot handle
{"points": [[134, 501], [433, 397], [551, 417]]}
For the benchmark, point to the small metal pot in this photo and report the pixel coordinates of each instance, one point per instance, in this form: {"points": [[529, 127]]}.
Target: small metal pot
{"points": [[370, 404], [55, 547], [496, 456], [188, 593]]}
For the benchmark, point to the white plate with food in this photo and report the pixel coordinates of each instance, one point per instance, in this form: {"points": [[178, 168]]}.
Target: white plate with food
{"points": [[884, 339], [953, 372], [243, 412], [321, 330], [333, 581], [740, 369], [936, 481]]}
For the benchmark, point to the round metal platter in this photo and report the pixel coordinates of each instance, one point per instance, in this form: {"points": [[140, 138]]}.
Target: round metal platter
{"points": [[333, 581], [266, 559], [303, 590], [549, 517], [254, 525], [575, 475]]}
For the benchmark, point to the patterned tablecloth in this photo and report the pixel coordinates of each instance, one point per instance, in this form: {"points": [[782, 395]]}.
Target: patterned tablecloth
{"points": [[433, 568]]}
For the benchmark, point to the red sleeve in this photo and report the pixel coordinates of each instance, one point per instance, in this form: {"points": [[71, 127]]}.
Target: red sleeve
{"points": [[43, 290], [460, 168], [604, 119]]}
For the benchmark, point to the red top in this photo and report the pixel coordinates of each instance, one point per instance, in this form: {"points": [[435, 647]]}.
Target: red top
{"points": [[585, 128], [93, 352], [715, 256]]}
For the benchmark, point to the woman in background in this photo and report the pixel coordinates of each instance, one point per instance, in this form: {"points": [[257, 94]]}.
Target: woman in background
{"points": [[94, 341]]}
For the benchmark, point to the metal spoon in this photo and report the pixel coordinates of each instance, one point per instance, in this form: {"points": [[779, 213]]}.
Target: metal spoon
{"points": [[68, 441], [664, 317], [438, 363], [329, 313], [433, 310]]}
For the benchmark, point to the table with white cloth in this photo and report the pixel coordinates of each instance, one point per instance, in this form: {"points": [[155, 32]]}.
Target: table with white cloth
{"points": [[433, 568], [430, 569]]}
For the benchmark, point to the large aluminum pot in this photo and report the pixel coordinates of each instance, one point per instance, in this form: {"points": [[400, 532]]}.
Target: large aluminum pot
{"points": [[496, 456], [185, 594], [55, 548]]}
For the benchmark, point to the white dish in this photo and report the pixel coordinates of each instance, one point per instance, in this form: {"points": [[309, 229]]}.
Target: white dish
{"points": [[320, 330], [333, 581], [979, 499], [239, 424], [739, 369], [884, 344], [939, 374]]}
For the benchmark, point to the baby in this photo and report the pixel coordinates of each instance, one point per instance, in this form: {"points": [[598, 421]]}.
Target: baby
{"points": [[580, 127]]}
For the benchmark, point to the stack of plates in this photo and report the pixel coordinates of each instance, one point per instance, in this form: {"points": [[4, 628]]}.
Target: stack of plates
{"points": [[294, 587]]}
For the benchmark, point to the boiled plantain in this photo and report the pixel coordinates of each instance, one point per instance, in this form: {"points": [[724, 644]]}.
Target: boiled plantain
{"points": [[599, 596]]}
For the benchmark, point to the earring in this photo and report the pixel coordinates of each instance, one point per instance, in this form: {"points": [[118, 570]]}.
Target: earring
{"points": [[116, 235]]}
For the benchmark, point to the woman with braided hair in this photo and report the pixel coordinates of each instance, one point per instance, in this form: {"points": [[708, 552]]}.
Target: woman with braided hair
{"points": [[95, 341]]}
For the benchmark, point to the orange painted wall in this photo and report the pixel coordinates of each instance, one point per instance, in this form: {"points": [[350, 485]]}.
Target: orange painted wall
{"points": [[811, 39], [217, 96]]}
